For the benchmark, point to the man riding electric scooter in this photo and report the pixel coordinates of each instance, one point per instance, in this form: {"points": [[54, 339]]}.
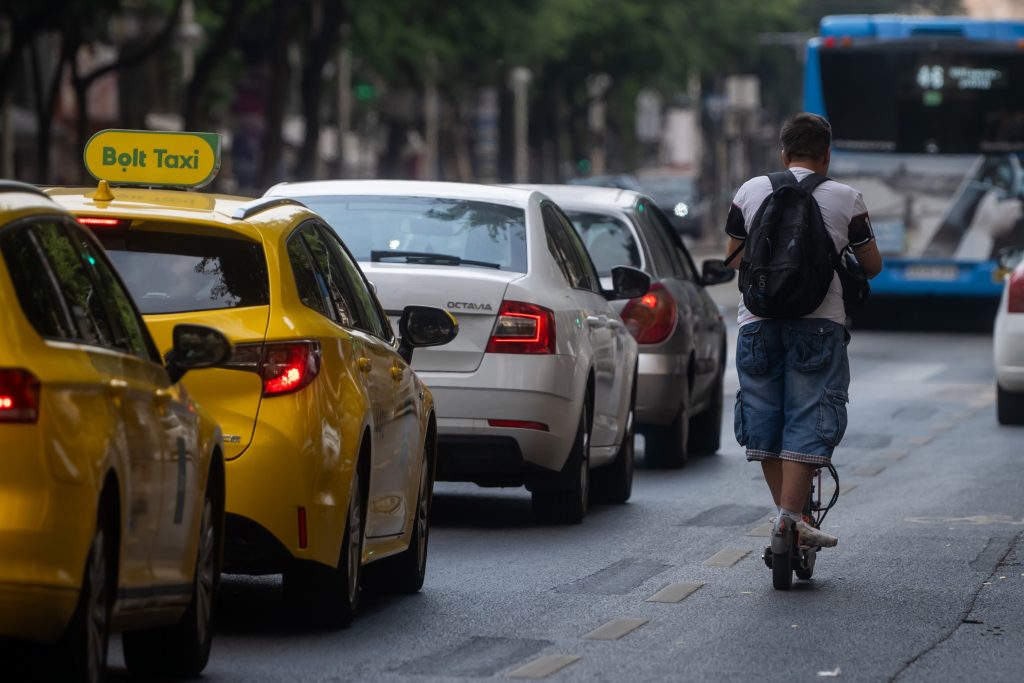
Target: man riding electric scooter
{"points": [[787, 234]]}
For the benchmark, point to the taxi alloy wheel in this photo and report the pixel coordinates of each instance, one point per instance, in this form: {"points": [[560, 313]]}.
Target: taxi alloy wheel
{"points": [[354, 545], [98, 611], [329, 596], [206, 573], [405, 572], [82, 652], [183, 648]]}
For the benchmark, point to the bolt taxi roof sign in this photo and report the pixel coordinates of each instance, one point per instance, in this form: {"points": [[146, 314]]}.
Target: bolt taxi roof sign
{"points": [[153, 158]]}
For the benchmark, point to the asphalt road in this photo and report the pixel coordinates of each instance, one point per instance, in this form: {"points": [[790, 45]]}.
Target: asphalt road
{"points": [[925, 585]]}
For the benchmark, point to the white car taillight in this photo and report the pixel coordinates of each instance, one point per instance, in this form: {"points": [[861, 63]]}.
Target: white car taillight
{"points": [[523, 328], [1015, 292]]}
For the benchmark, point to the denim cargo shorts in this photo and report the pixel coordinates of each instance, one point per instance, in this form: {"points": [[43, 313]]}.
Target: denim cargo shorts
{"points": [[794, 386]]}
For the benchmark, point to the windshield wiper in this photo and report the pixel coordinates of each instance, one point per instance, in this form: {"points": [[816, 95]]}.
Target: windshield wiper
{"points": [[425, 257]]}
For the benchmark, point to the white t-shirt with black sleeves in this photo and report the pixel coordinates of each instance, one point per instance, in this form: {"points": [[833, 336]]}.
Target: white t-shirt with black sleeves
{"points": [[843, 212]]}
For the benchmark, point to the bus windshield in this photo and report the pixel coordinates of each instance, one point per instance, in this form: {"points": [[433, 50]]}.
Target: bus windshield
{"points": [[948, 97]]}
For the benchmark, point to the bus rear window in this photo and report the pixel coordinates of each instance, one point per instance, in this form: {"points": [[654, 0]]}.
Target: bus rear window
{"points": [[177, 273], [909, 98]]}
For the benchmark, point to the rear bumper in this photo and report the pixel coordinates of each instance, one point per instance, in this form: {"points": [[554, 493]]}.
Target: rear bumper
{"points": [[288, 466], [543, 389], [659, 389], [1008, 348]]}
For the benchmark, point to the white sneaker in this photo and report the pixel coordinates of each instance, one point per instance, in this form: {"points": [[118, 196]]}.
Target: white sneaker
{"points": [[808, 535]]}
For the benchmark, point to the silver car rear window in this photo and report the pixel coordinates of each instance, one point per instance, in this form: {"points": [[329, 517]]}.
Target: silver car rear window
{"points": [[608, 239], [472, 231]]}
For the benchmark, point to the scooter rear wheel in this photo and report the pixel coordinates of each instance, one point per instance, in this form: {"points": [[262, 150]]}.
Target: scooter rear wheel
{"points": [[782, 570]]}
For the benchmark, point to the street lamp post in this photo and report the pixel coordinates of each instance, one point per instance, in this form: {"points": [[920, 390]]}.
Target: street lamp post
{"points": [[519, 81], [597, 88]]}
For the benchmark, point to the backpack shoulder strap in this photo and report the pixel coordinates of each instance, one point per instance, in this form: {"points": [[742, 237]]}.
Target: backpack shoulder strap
{"points": [[782, 178], [811, 182]]}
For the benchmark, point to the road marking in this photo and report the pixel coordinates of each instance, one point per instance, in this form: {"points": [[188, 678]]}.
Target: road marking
{"points": [[894, 455], [865, 471], [542, 667], [975, 520], [920, 440], [675, 592], [763, 531], [615, 629], [726, 557]]}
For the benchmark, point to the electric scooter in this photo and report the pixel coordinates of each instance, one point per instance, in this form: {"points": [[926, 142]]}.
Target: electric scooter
{"points": [[786, 556]]}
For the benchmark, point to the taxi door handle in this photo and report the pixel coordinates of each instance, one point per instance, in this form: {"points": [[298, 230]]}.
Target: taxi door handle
{"points": [[365, 364], [117, 387], [614, 324], [397, 373], [163, 396], [597, 320]]}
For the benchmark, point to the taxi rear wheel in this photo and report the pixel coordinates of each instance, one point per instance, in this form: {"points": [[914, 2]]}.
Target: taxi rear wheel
{"points": [[82, 650], [405, 572], [329, 596], [183, 649]]}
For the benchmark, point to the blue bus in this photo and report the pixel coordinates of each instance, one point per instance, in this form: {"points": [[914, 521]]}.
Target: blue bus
{"points": [[927, 117]]}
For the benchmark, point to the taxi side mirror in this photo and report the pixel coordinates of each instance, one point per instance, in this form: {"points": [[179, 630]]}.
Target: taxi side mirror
{"points": [[195, 347], [715, 272], [628, 283], [422, 326]]}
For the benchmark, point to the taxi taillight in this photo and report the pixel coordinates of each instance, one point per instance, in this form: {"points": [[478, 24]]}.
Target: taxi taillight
{"points": [[19, 396], [285, 367]]}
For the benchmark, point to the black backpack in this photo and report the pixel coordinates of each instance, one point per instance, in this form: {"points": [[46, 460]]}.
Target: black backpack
{"points": [[790, 257]]}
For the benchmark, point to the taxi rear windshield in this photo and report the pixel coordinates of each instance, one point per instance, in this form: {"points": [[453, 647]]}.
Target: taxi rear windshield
{"points": [[452, 231], [178, 273]]}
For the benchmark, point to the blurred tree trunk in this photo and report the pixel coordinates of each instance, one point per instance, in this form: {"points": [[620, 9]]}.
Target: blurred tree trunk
{"points": [[326, 17], [217, 48], [277, 96], [45, 96]]}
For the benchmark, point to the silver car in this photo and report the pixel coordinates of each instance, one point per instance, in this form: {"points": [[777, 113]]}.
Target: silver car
{"points": [[679, 328], [538, 387]]}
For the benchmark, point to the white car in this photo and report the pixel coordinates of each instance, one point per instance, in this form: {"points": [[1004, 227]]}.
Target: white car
{"points": [[1008, 341], [539, 386]]}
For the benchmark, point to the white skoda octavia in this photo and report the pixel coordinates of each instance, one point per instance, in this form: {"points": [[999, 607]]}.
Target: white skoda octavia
{"points": [[538, 388]]}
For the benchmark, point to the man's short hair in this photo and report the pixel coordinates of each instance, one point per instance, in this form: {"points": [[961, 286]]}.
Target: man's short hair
{"points": [[805, 136]]}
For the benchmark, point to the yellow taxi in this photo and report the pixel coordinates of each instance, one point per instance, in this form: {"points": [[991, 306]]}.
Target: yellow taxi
{"points": [[111, 477], [329, 434]]}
